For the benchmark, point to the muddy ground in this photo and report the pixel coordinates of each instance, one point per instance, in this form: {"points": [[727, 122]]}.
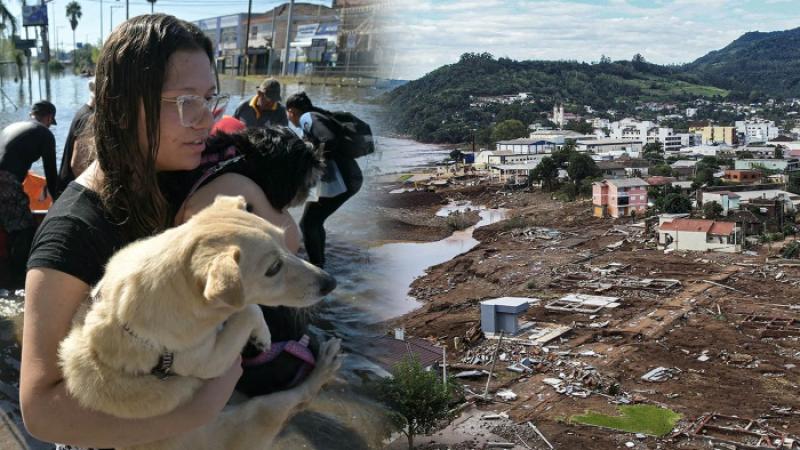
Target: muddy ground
{"points": [[546, 249]]}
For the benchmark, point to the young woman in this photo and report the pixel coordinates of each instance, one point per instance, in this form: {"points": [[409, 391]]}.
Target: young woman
{"points": [[320, 129], [155, 98]]}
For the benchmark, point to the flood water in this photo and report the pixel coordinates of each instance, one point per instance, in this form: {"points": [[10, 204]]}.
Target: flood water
{"points": [[401, 263]]}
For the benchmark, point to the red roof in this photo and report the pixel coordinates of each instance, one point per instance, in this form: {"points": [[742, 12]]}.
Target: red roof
{"points": [[699, 225], [722, 228], [659, 180]]}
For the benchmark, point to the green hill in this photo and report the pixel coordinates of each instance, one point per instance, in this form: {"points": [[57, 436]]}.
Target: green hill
{"points": [[436, 107], [755, 65]]}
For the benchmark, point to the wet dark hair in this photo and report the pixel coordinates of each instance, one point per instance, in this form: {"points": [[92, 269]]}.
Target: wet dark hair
{"points": [[276, 159], [130, 75], [302, 103]]}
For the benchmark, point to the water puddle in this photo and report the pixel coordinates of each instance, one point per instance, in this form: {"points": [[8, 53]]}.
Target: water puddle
{"points": [[400, 264]]}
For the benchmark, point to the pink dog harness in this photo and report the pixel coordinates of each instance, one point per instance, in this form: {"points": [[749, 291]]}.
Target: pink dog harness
{"points": [[298, 349]]}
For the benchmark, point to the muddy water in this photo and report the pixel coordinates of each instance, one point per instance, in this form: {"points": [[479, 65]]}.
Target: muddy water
{"points": [[401, 263]]}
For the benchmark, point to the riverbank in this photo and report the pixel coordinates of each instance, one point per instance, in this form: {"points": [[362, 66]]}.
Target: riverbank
{"points": [[690, 313]]}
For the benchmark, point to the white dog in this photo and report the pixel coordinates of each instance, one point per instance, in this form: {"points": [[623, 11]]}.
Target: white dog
{"points": [[176, 308]]}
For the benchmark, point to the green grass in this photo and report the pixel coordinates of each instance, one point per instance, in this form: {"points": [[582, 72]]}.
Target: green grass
{"points": [[647, 419], [668, 88]]}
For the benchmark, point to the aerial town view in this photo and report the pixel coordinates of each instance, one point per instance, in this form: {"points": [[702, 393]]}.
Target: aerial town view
{"points": [[422, 224]]}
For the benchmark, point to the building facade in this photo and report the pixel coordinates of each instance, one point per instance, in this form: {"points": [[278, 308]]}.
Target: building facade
{"points": [[619, 197]]}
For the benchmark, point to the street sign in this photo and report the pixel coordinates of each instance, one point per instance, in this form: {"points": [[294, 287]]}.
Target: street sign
{"points": [[24, 44], [34, 15]]}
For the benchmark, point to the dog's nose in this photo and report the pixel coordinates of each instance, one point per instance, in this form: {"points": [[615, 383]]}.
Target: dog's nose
{"points": [[327, 284]]}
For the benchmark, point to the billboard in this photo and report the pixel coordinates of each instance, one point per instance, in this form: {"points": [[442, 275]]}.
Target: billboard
{"points": [[34, 15]]}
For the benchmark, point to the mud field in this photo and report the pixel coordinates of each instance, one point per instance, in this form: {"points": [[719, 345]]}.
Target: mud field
{"points": [[709, 318]]}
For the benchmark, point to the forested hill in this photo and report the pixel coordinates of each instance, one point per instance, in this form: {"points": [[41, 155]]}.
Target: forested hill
{"points": [[436, 107], [755, 65]]}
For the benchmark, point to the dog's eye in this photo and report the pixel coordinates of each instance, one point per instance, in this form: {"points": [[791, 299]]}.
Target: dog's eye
{"points": [[274, 268]]}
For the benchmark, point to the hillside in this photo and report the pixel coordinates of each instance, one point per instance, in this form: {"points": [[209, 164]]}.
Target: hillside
{"points": [[754, 65], [436, 107]]}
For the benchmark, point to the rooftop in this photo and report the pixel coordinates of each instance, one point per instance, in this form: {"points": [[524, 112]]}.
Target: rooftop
{"points": [[699, 225], [626, 182]]}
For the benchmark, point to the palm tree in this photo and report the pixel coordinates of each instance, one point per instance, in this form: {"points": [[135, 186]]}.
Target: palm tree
{"points": [[152, 4], [73, 14]]}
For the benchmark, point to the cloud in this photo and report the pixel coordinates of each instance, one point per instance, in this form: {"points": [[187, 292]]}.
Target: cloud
{"points": [[426, 34]]}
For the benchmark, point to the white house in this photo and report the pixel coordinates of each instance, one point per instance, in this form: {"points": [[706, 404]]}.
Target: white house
{"points": [[757, 130], [728, 200], [698, 235]]}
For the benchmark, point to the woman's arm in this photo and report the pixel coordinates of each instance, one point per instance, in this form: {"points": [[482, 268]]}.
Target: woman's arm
{"points": [[51, 414], [235, 184]]}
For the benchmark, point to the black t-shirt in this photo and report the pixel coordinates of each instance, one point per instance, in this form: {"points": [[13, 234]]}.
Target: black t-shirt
{"points": [[21, 144], [76, 237], [77, 126]]}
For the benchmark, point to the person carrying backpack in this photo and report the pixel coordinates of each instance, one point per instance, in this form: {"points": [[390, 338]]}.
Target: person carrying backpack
{"points": [[342, 178]]}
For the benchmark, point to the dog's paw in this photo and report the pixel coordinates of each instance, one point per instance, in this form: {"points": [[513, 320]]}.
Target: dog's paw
{"points": [[261, 338], [328, 361]]}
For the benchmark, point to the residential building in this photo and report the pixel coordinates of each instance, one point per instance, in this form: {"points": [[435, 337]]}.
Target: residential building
{"points": [[759, 151], [601, 146], [728, 200], [619, 197], [716, 135], [388, 351], [691, 112], [526, 146], [756, 130], [742, 176], [781, 165], [707, 150], [690, 139], [698, 235]]}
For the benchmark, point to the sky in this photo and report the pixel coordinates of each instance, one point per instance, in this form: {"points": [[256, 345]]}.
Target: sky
{"points": [[88, 29], [426, 34]]}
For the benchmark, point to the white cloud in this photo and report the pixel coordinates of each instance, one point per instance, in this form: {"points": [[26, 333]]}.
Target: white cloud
{"points": [[429, 33]]}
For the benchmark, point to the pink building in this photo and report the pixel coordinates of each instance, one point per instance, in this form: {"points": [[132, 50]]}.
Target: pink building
{"points": [[619, 197]]}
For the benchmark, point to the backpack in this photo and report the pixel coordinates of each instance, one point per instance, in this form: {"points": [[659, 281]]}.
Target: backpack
{"points": [[355, 135]]}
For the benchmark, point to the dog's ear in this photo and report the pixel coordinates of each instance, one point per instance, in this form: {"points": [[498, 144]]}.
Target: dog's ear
{"points": [[230, 202], [224, 279]]}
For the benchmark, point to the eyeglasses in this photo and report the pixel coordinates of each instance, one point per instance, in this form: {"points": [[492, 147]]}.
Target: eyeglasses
{"points": [[192, 108]]}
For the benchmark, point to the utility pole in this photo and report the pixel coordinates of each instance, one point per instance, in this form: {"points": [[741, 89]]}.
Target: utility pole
{"points": [[127, 10], [271, 43], [111, 17], [46, 51], [247, 39], [288, 38]]}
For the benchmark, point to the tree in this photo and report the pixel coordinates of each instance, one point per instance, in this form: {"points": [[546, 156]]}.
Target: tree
{"points": [[73, 14], [417, 398], [546, 173], [663, 170], [653, 151], [778, 153], [509, 129], [677, 203], [562, 155], [456, 155], [712, 210], [581, 166], [581, 126]]}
